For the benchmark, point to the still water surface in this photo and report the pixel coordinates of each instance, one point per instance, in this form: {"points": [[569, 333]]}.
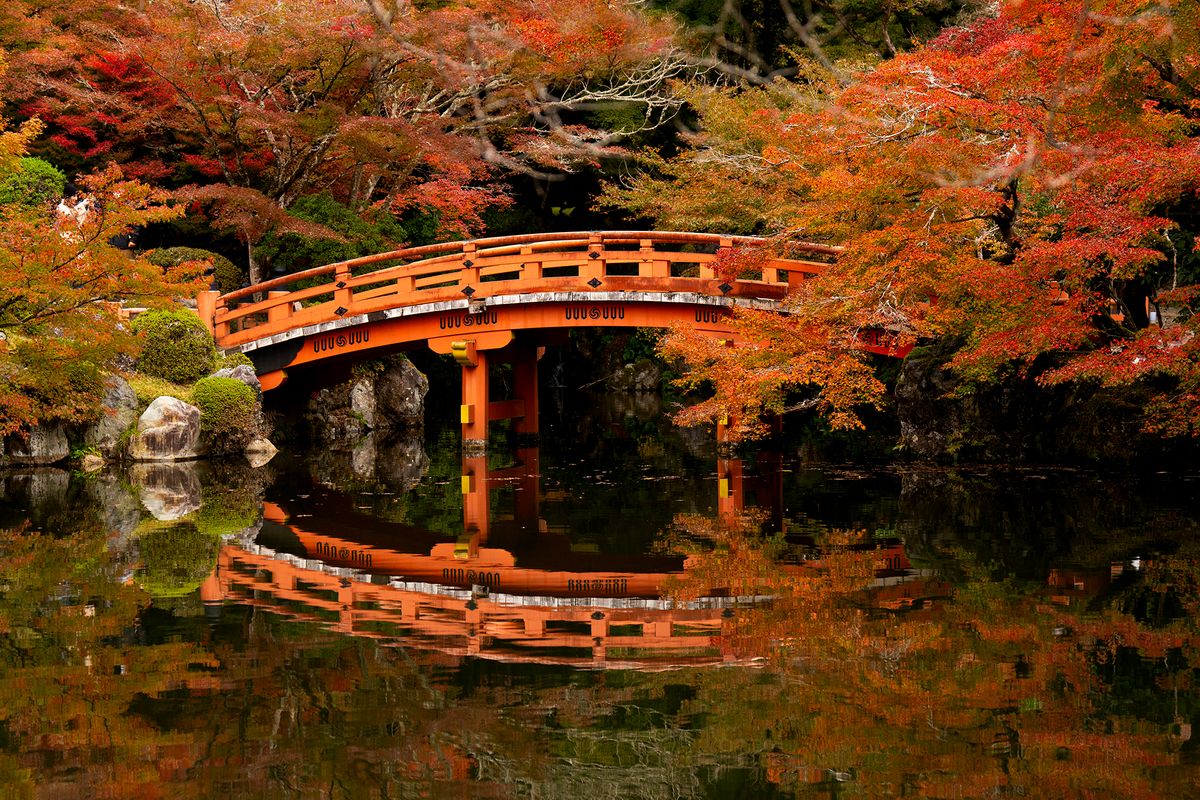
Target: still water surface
{"points": [[618, 613]]}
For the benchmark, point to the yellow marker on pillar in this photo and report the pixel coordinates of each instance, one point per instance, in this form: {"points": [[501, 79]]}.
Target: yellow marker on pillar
{"points": [[723, 489], [468, 483], [466, 414]]}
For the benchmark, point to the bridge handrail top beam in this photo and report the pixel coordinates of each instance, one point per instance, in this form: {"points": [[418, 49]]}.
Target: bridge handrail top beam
{"points": [[566, 237]]}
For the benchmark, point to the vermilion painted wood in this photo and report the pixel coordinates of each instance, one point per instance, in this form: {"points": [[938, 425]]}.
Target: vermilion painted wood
{"points": [[516, 264], [515, 283]]}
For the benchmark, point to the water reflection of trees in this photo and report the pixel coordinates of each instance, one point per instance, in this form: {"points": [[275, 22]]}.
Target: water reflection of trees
{"points": [[1001, 688], [981, 679]]}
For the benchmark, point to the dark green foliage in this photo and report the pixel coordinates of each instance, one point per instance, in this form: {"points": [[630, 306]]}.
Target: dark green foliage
{"points": [[229, 416], [373, 232], [228, 276], [175, 346], [34, 182]]}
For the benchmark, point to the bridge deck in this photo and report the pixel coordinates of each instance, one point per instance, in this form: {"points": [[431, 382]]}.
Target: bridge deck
{"points": [[579, 263]]}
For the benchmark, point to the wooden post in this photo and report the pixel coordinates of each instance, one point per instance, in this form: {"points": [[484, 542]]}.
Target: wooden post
{"points": [[469, 274], [474, 409], [475, 504], [593, 267], [526, 389], [731, 495], [343, 296], [206, 308], [281, 311], [528, 489]]}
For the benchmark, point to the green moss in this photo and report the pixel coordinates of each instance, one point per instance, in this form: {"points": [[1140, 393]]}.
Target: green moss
{"points": [[175, 346], [228, 413]]}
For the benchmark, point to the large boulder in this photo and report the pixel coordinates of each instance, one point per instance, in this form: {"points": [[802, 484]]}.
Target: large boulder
{"points": [[119, 406], [41, 445], [169, 430], [390, 399], [400, 396]]}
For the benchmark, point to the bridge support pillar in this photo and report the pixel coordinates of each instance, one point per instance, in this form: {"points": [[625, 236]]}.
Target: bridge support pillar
{"points": [[474, 409], [526, 389]]}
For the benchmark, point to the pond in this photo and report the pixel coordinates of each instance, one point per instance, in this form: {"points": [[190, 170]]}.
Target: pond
{"points": [[620, 612]]}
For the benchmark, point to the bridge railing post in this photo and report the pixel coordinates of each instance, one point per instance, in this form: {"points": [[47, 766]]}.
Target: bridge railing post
{"points": [[723, 247], [343, 295], [469, 270], [532, 269], [206, 308], [593, 268], [280, 311], [651, 267], [221, 328]]}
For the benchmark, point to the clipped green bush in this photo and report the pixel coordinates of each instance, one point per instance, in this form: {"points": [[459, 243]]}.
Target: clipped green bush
{"points": [[33, 182], [229, 416], [175, 346], [176, 560], [228, 276]]}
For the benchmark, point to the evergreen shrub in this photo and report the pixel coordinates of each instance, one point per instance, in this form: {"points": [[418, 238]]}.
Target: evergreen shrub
{"points": [[33, 182], [175, 346]]}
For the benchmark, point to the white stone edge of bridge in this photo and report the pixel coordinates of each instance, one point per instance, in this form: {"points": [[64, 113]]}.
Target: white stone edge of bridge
{"points": [[680, 298]]}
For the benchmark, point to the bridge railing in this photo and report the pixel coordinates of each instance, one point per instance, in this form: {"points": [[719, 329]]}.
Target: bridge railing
{"points": [[477, 269]]}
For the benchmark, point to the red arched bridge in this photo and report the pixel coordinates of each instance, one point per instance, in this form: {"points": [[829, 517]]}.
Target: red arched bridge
{"points": [[502, 299]]}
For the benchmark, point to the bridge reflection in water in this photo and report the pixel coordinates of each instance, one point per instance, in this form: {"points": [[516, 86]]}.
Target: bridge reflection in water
{"points": [[509, 588]]}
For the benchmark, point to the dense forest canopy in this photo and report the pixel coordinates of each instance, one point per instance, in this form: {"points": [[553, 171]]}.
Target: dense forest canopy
{"points": [[1021, 177]]}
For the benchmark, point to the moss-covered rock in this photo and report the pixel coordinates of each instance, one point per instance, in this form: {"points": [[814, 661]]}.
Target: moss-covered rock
{"points": [[229, 413]]}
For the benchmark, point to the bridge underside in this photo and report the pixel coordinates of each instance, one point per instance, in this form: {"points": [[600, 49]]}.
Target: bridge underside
{"points": [[506, 329]]}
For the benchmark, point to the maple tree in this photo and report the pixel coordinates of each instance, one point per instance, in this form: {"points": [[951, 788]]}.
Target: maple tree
{"points": [[61, 281], [413, 110], [1021, 182]]}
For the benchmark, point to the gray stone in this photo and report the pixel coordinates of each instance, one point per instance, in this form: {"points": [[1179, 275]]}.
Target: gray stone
{"points": [[362, 402], [641, 376], [169, 430], [260, 451], [119, 406], [44, 444], [392, 401], [400, 396], [168, 491], [402, 462], [243, 373]]}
